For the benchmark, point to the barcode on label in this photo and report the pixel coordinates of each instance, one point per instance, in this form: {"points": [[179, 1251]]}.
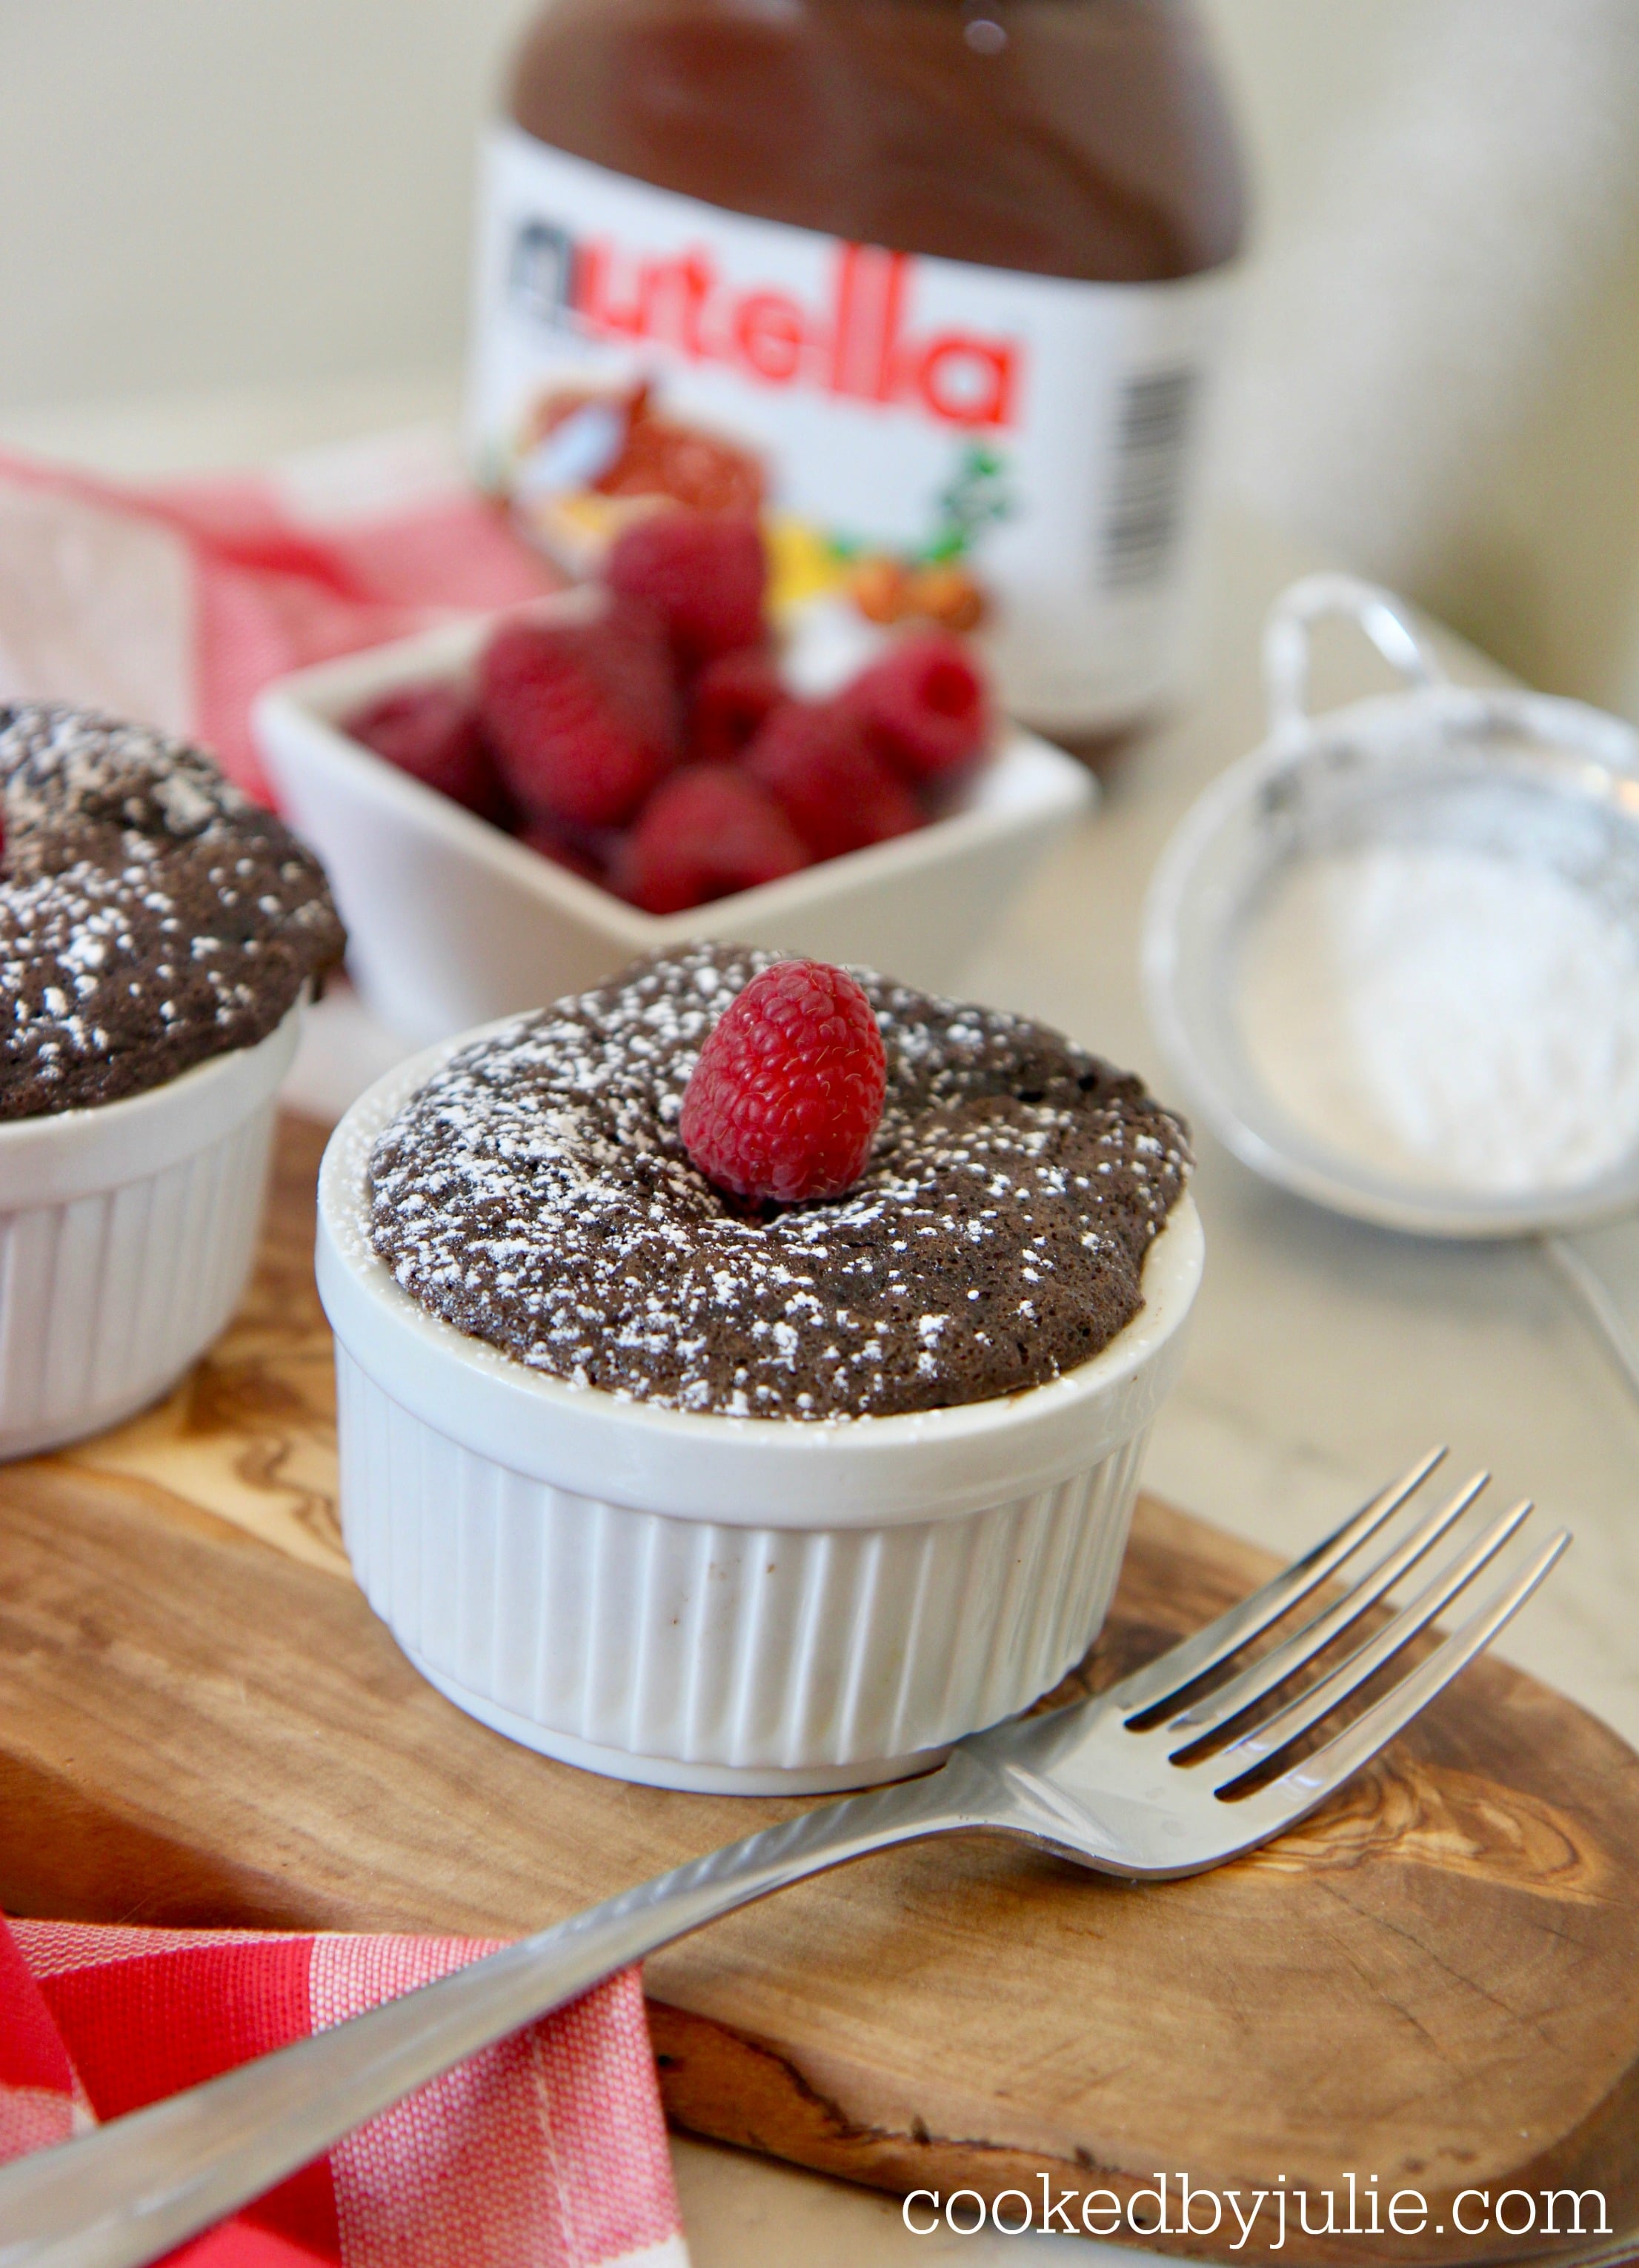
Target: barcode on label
{"points": [[1147, 487]]}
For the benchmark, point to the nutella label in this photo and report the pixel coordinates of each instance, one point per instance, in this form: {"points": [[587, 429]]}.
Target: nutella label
{"points": [[1012, 454]]}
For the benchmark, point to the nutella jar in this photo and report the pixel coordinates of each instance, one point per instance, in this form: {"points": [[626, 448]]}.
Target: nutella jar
{"points": [[937, 288]]}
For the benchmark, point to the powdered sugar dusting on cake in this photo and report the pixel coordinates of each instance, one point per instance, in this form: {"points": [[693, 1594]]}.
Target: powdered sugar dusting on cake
{"points": [[535, 1193], [150, 914]]}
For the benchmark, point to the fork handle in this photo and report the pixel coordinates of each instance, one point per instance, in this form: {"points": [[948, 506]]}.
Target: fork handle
{"points": [[145, 2182]]}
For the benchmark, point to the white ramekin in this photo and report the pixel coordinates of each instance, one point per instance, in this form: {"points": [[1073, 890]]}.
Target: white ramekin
{"points": [[127, 1232], [735, 1605]]}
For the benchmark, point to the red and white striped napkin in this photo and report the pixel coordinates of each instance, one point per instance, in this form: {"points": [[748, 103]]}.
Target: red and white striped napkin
{"points": [[546, 2152], [175, 604]]}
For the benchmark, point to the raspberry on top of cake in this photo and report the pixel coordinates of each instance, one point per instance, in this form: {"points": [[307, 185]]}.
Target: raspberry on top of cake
{"points": [[537, 1194], [150, 915]]}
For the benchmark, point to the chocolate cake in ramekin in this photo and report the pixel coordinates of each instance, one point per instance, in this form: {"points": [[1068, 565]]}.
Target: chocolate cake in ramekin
{"points": [[158, 931], [746, 1496]]}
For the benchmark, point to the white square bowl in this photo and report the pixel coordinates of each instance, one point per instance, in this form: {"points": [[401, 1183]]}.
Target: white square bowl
{"points": [[453, 923]]}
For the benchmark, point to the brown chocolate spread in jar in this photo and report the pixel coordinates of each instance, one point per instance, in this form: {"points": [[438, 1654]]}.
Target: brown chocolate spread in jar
{"points": [[940, 286]]}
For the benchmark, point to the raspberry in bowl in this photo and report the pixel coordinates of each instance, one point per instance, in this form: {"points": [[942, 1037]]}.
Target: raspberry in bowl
{"points": [[159, 933], [515, 808], [670, 1474]]}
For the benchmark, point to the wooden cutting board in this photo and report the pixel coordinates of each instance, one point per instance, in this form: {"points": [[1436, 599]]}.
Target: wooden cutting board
{"points": [[1434, 1982]]}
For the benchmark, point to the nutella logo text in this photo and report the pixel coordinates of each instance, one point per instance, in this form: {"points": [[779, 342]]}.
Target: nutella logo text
{"points": [[860, 342]]}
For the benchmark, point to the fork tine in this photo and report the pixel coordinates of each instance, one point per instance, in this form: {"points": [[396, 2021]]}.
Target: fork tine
{"points": [[1283, 1661], [1285, 1801], [1182, 1664], [1308, 1708]]}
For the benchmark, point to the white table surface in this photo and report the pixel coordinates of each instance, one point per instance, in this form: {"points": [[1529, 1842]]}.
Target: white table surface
{"points": [[1324, 1354]]}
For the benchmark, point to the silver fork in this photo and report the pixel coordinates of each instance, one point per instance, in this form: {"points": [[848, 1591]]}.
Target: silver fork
{"points": [[1146, 1780]]}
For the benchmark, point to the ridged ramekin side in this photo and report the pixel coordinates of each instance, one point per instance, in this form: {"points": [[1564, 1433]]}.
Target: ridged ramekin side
{"points": [[108, 1294], [711, 1654]]}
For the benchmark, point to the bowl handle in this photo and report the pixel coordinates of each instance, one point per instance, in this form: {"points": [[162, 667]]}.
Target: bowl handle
{"points": [[1376, 611]]}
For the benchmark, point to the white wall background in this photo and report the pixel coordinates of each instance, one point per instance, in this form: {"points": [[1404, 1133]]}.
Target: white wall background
{"points": [[1441, 355], [203, 192], [1440, 371]]}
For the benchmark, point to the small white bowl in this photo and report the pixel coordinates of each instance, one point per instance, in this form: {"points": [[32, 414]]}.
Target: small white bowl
{"points": [[451, 922], [127, 1233], [735, 1605]]}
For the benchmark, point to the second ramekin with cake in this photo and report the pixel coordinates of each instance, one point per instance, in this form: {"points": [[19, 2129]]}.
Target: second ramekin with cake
{"points": [[701, 1425], [158, 932]]}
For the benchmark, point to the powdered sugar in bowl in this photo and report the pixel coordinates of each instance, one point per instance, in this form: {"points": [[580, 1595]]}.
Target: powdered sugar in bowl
{"points": [[1393, 954]]}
